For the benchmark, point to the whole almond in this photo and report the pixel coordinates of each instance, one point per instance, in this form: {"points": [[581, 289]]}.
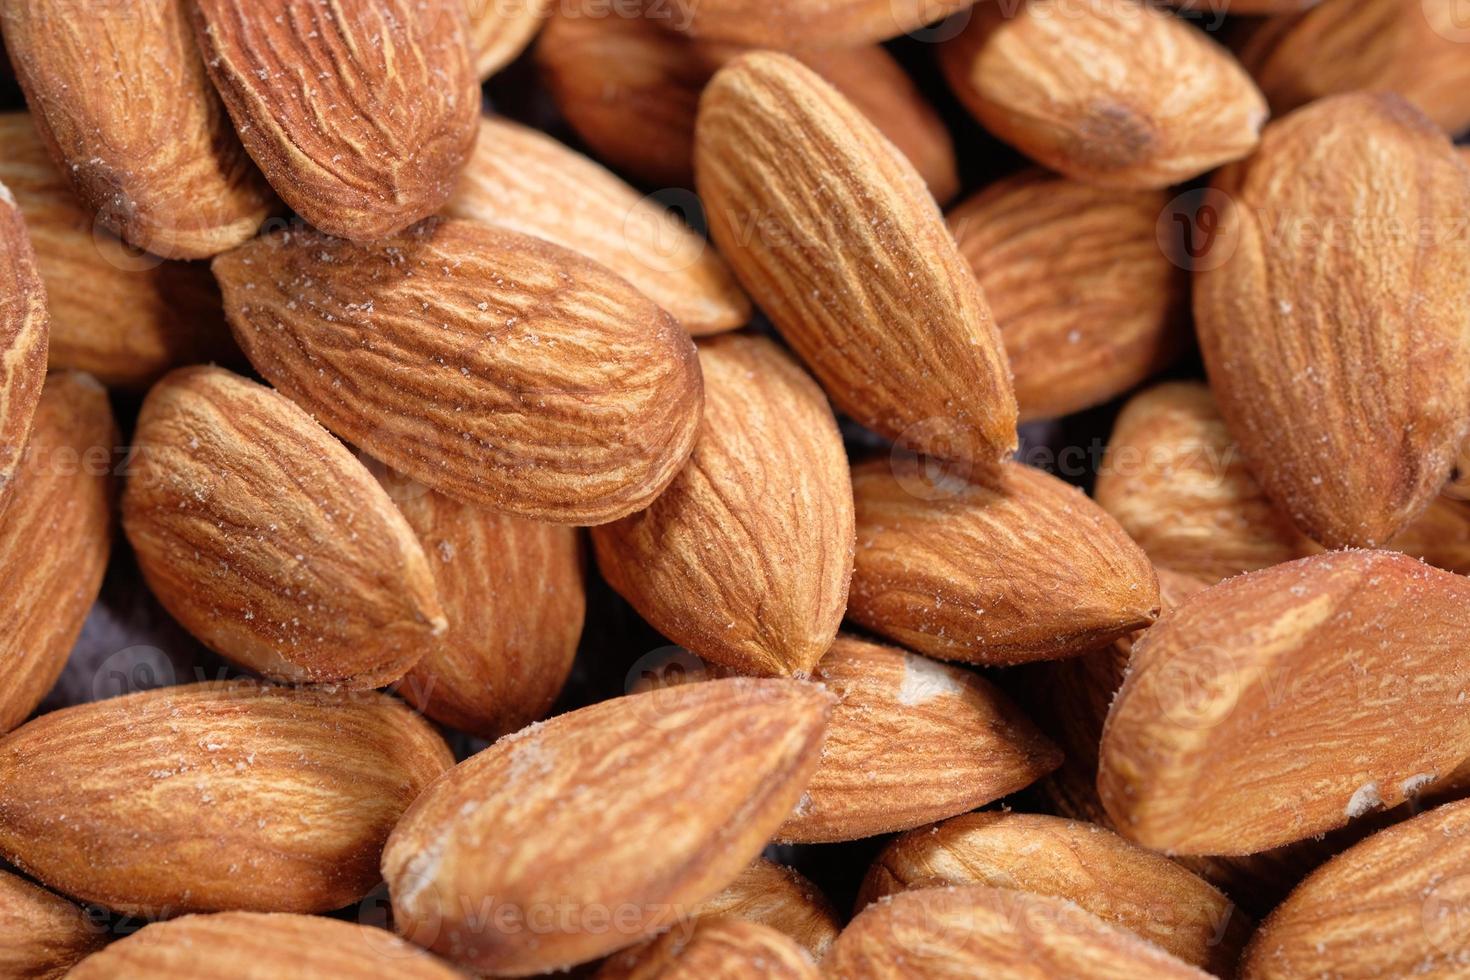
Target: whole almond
{"points": [[892, 322], [745, 558], [911, 741], [715, 949], [1078, 87], [376, 139], [1001, 570], [1286, 702], [41, 936], [267, 540], [521, 179], [214, 796], [496, 368], [499, 30], [55, 538], [774, 895], [121, 100], [707, 771], [796, 23], [24, 328]]}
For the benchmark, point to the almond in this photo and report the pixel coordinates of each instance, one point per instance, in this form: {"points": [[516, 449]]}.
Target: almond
{"points": [[911, 741], [498, 369], [24, 328], [795, 23], [41, 936], [122, 102], [267, 540], [523, 180], [892, 323], [1324, 297], [499, 30], [774, 895], [1286, 702], [716, 949], [1080, 88], [745, 558], [184, 811], [373, 142], [706, 770], [1088, 304], [1012, 568], [55, 538]]}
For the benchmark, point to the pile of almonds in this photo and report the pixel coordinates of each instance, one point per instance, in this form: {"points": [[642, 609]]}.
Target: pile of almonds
{"points": [[1071, 583]]}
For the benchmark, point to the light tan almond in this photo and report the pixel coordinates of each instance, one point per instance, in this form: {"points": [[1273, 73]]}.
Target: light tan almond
{"points": [[1000, 570], [373, 136], [496, 368], [499, 30], [714, 949], [774, 895], [1120, 94], [893, 322], [41, 936], [797, 23], [24, 327], [214, 796], [625, 816], [745, 558], [121, 100], [521, 179], [268, 541], [911, 741]]}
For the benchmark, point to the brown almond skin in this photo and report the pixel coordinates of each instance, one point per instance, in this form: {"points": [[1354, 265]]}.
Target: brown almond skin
{"points": [[257, 946], [1074, 86], [774, 895], [1287, 702], [122, 102], [745, 558], [374, 136], [499, 30], [493, 367], [1115, 880], [715, 949], [265, 538], [796, 23], [707, 770], [55, 538], [1320, 300], [911, 741], [1001, 570], [1088, 304], [41, 936], [24, 328], [182, 812], [893, 324]]}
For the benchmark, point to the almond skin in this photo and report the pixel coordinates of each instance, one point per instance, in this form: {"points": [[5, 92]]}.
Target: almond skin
{"points": [[41, 936], [55, 538], [1014, 568], [268, 541], [774, 895], [182, 814], [523, 180], [372, 138], [708, 770], [745, 558], [892, 324], [256, 946], [797, 23], [499, 30], [1283, 703], [24, 327], [122, 102], [1076, 86], [911, 741], [496, 368], [717, 949]]}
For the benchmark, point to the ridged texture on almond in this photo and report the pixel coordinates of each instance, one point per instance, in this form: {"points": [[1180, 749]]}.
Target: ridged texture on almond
{"points": [[1336, 335], [361, 113], [501, 29], [24, 327], [496, 368], [514, 596], [1014, 568], [122, 102], [745, 558], [123, 317], [713, 949], [214, 796], [1117, 881], [1116, 95], [796, 23], [255, 946], [269, 541], [41, 936], [975, 931], [1247, 6], [54, 539], [892, 322], [774, 895], [911, 741], [1286, 702], [647, 804], [1387, 907], [1087, 303], [523, 180]]}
